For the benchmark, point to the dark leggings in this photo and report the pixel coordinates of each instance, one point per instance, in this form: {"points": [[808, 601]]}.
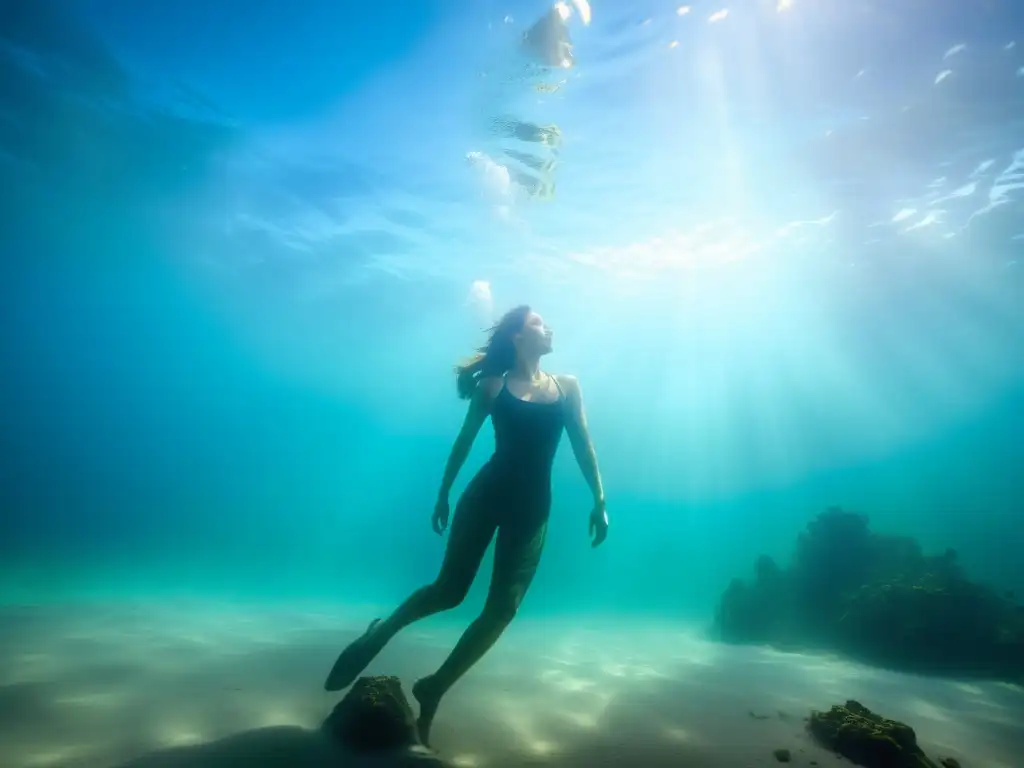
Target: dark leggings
{"points": [[484, 509]]}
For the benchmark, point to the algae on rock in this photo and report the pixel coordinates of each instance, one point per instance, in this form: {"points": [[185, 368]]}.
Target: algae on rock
{"points": [[374, 715], [868, 739]]}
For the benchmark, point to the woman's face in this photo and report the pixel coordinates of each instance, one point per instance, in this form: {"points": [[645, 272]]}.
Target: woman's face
{"points": [[535, 337]]}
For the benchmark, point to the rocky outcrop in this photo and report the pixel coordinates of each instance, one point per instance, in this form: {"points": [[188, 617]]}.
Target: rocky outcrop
{"points": [[877, 598], [867, 739], [375, 724]]}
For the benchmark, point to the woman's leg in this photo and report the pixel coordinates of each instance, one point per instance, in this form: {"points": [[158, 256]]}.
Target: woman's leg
{"points": [[516, 557], [471, 532]]}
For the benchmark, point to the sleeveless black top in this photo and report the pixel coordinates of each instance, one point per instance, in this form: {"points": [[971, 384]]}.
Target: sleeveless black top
{"points": [[526, 436]]}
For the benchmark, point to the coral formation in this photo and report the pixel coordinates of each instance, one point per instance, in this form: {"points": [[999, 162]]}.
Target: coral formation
{"points": [[867, 739], [878, 598]]}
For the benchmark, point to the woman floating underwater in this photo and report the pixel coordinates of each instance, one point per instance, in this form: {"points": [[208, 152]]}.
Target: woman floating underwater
{"points": [[510, 496]]}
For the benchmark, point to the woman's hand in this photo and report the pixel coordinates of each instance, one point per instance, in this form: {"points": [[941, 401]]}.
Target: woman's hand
{"points": [[439, 520], [598, 524]]}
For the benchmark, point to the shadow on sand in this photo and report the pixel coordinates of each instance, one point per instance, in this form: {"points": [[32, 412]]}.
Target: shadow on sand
{"points": [[279, 747]]}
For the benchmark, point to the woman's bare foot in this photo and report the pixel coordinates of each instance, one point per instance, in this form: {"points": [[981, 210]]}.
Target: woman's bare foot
{"points": [[427, 694]]}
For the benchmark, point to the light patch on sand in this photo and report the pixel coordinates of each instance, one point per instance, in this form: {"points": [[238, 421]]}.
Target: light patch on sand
{"points": [[614, 670], [565, 683], [647, 672], [971, 690], [677, 734], [922, 708], [523, 719], [56, 756], [542, 748], [557, 660], [581, 720], [468, 761], [280, 716], [827, 669], [105, 699], [1010, 687], [604, 696], [179, 735]]}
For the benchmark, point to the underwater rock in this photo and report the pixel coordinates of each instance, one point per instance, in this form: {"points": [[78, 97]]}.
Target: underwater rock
{"points": [[782, 755], [374, 715], [949, 762], [867, 739], [878, 598]]}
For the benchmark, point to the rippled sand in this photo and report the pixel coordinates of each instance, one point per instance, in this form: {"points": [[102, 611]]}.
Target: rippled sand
{"points": [[102, 686]]}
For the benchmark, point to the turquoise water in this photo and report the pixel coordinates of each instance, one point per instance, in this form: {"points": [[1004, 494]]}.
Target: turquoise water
{"points": [[231, 320], [244, 244]]}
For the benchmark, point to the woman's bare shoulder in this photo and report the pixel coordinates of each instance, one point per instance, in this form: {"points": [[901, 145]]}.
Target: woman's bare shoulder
{"points": [[490, 385], [567, 382]]}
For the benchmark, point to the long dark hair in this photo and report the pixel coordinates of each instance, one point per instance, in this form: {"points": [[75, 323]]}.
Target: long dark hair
{"points": [[496, 357]]}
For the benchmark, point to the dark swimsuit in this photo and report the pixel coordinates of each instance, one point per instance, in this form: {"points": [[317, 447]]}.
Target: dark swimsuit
{"points": [[510, 496]]}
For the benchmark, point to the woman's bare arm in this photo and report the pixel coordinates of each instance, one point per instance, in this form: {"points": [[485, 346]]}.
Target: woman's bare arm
{"points": [[476, 415], [579, 437]]}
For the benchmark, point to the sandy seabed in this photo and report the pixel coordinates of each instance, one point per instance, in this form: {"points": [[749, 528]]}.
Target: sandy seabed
{"points": [[89, 686]]}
